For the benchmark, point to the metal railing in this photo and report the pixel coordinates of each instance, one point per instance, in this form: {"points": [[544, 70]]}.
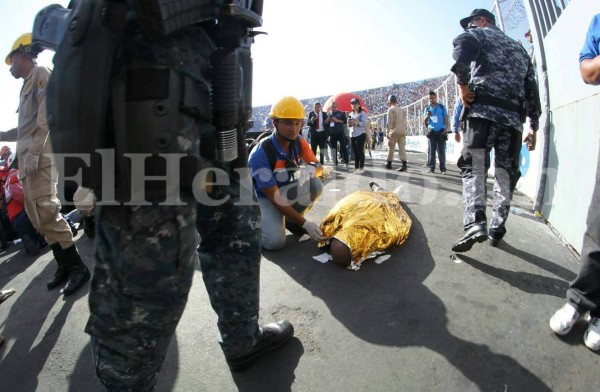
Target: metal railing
{"points": [[511, 17], [446, 94]]}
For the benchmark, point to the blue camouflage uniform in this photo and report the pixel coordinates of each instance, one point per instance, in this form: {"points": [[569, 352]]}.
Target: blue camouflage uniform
{"points": [[145, 255], [499, 71], [230, 235]]}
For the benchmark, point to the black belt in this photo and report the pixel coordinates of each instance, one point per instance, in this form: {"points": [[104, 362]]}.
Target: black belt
{"points": [[497, 102]]}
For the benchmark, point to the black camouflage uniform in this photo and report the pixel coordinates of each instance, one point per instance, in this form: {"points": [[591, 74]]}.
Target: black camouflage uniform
{"points": [[498, 70]]}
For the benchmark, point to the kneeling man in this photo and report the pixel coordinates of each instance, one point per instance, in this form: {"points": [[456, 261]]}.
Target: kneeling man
{"points": [[285, 189]]}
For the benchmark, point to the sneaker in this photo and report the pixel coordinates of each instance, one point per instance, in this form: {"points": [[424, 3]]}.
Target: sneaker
{"points": [[591, 338], [564, 319], [443, 172], [431, 171], [4, 294], [274, 336]]}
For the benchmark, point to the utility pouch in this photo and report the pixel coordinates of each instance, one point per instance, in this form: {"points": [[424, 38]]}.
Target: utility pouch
{"points": [[154, 135]]}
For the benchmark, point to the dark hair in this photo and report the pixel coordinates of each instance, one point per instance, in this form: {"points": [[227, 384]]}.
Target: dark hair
{"points": [[431, 92]]}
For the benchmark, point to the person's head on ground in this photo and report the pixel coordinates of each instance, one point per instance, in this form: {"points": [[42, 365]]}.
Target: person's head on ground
{"points": [[479, 18], [340, 253], [288, 117], [21, 57]]}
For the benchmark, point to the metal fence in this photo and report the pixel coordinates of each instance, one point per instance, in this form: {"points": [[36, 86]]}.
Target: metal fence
{"points": [[446, 94]]}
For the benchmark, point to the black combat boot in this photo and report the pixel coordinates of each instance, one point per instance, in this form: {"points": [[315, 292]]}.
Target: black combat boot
{"points": [[78, 272], [388, 165], [403, 168], [476, 233], [62, 273], [273, 336]]}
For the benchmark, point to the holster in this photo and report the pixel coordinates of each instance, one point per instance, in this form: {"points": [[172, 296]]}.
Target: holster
{"points": [[80, 89]]}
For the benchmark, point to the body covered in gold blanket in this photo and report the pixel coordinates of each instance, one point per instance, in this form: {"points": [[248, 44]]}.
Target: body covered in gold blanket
{"points": [[367, 222]]}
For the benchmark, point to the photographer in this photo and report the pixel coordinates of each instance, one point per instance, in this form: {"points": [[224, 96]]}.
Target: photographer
{"points": [[337, 134], [437, 123]]}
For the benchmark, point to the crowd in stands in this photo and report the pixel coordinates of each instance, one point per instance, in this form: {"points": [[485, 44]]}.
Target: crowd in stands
{"points": [[375, 99]]}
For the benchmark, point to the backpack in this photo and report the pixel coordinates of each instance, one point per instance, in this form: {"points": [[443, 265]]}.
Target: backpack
{"points": [[265, 141]]}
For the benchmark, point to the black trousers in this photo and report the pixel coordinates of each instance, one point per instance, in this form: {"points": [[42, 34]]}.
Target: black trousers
{"points": [[584, 291], [358, 146], [334, 139], [318, 139]]}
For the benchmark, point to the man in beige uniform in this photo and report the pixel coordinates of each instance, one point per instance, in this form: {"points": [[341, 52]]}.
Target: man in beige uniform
{"points": [[36, 166], [396, 132]]}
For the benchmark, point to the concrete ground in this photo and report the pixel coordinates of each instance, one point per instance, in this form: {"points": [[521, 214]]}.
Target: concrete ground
{"points": [[423, 320]]}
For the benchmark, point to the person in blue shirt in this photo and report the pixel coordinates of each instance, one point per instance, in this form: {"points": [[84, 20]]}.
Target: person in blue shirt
{"points": [[437, 123], [583, 294], [456, 120], [285, 190]]}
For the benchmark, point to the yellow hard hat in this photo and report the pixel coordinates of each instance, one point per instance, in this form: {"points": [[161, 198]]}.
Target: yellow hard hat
{"points": [[287, 107], [24, 40]]}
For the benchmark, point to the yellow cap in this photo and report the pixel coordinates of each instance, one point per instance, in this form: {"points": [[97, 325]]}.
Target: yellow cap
{"points": [[287, 107], [24, 40]]}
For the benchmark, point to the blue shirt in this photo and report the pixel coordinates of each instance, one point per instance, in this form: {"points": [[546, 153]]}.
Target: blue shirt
{"points": [[437, 120], [335, 127], [456, 117], [591, 46]]}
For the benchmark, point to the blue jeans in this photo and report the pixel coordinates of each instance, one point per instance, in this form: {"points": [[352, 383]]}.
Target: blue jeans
{"points": [[437, 143], [301, 198], [343, 142]]}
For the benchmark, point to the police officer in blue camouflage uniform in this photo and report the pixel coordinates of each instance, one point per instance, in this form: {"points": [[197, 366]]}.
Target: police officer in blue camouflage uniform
{"points": [[498, 88], [160, 94]]}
